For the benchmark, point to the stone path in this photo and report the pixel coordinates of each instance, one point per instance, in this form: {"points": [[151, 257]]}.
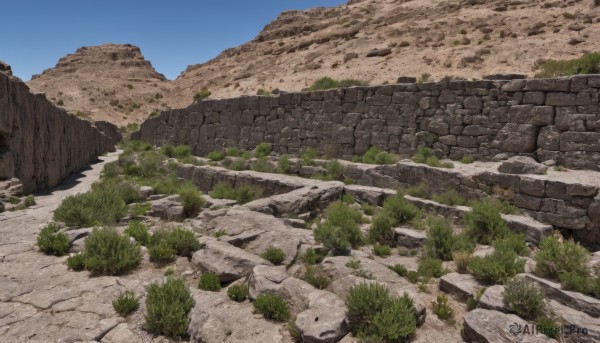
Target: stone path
{"points": [[42, 301]]}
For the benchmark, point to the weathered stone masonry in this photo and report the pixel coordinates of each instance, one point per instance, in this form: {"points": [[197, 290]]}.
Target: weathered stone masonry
{"points": [[543, 118], [41, 144]]}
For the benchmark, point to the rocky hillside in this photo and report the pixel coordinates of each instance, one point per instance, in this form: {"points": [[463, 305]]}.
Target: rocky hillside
{"points": [[108, 82], [371, 40]]}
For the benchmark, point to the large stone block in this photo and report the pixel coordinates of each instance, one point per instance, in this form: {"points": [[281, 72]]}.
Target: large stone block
{"points": [[535, 115], [519, 138]]}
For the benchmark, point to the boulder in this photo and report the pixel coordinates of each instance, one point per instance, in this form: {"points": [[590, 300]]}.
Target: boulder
{"points": [[522, 165], [409, 238], [168, 208], [487, 326], [228, 262], [379, 52]]}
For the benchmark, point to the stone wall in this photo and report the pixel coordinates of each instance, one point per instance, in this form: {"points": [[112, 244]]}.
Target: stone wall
{"points": [[543, 118], [41, 144]]}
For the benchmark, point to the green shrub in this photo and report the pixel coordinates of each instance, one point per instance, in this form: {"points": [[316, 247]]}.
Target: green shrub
{"points": [[183, 241], [100, 206], [324, 83], [313, 256], [440, 239], [484, 222], [588, 63], [412, 276], [238, 292], [524, 298], [368, 210], [396, 322], [109, 253], [363, 302], [272, 306], [340, 231], [513, 242], [498, 267], [422, 155], [138, 231], [399, 210], [234, 152], [274, 255], [467, 159], [162, 253], [376, 156], [548, 327], [284, 164], [354, 264], [261, 165], [461, 259], [52, 242], [140, 209], [335, 170], [576, 282], [242, 193], [382, 250], [209, 282], [399, 269], [556, 257], [263, 150], [420, 190], [202, 94], [381, 229], [441, 308], [191, 200], [169, 271], [216, 156], [316, 276], [76, 262], [308, 156], [374, 315], [451, 198], [167, 308], [27, 202], [126, 303], [462, 242], [430, 267]]}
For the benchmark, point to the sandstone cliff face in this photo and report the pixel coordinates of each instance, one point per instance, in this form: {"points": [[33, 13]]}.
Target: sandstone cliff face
{"points": [[39, 143]]}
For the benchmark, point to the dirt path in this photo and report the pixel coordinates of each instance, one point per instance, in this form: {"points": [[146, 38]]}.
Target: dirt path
{"points": [[40, 299]]}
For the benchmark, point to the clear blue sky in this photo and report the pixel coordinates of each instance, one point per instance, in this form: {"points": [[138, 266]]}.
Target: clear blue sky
{"points": [[34, 34]]}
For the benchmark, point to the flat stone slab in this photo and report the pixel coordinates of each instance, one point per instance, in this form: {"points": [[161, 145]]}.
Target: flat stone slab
{"points": [[575, 300], [215, 318], [227, 261], [492, 299], [487, 326], [409, 238], [300, 200], [463, 286]]}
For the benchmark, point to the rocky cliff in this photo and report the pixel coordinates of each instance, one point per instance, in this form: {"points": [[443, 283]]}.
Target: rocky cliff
{"points": [[41, 144], [111, 82]]}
